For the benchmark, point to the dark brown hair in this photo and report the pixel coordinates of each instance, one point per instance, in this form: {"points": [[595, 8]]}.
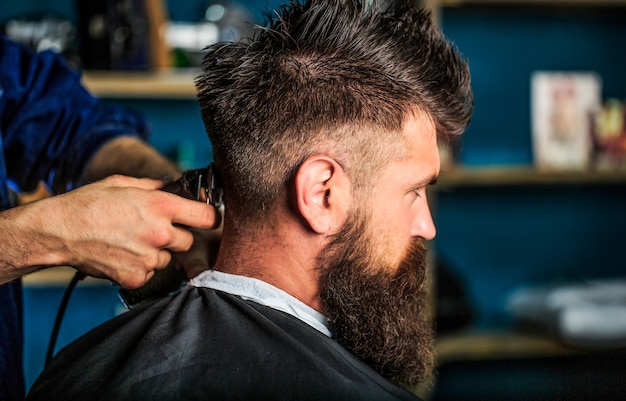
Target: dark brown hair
{"points": [[333, 76]]}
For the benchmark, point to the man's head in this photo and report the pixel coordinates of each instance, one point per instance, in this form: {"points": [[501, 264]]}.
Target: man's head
{"points": [[328, 76], [333, 115]]}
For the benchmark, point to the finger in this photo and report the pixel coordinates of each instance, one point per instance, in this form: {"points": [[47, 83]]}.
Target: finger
{"points": [[133, 281], [181, 240], [196, 214], [164, 258], [138, 279], [149, 275]]}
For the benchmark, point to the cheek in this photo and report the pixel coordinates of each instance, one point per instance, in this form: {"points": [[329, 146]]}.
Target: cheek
{"points": [[392, 238], [391, 219]]}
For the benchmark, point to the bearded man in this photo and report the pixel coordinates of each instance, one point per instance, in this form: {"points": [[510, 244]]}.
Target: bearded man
{"points": [[325, 128]]}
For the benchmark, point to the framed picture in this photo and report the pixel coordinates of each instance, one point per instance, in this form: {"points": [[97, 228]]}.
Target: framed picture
{"points": [[610, 136], [563, 109]]}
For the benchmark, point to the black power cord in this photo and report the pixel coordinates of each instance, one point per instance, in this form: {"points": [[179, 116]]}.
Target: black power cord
{"points": [[60, 313]]}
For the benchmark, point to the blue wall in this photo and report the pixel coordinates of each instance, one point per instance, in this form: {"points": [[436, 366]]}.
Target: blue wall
{"points": [[505, 45], [89, 306], [497, 239]]}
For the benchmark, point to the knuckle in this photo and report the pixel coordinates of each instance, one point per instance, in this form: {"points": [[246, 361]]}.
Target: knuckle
{"points": [[163, 238], [115, 179]]}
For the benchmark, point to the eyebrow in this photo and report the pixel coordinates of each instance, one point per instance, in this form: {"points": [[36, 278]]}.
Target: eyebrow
{"points": [[430, 181], [426, 182]]}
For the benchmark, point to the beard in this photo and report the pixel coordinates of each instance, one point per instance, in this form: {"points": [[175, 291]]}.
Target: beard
{"points": [[377, 311]]}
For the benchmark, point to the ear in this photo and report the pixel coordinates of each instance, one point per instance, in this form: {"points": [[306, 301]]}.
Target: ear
{"points": [[322, 193]]}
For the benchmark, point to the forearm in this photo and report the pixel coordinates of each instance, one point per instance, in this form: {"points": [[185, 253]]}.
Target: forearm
{"points": [[132, 157], [24, 247]]}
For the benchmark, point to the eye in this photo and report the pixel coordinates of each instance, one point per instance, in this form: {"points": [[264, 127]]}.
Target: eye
{"points": [[418, 191]]}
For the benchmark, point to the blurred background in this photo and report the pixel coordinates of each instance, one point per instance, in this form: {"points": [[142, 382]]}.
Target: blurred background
{"points": [[530, 269]]}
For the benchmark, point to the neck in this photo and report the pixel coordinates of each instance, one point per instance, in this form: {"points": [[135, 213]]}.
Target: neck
{"points": [[284, 256]]}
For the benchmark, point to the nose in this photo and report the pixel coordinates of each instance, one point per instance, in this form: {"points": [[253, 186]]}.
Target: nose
{"points": [[423, 225]]}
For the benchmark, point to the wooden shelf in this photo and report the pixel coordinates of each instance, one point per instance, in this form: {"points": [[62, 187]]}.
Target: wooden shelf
{"points": [[497, 345], [58, 276], [166, 84], [524, 175], [492, 345]]}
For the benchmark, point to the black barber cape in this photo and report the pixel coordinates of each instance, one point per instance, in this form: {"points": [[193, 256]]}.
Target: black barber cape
{"points": [[203, 344]]}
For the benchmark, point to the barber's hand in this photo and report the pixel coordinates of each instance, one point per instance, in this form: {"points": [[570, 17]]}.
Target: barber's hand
{"points": [[124, 228]]}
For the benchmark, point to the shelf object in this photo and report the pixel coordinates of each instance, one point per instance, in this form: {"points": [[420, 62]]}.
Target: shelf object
{"points": [[166, 84]]}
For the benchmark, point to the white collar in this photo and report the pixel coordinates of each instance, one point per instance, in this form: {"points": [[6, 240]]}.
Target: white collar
{"points": [[263, 293]]}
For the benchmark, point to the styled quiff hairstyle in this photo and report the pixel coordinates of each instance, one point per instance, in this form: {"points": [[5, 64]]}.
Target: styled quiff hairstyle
{"points": [[337, 77]]}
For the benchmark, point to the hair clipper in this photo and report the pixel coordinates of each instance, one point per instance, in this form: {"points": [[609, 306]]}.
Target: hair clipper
{"points": [[201, 185]]}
